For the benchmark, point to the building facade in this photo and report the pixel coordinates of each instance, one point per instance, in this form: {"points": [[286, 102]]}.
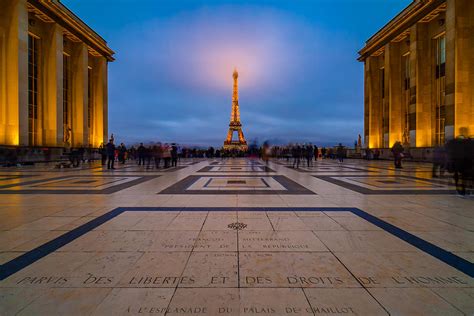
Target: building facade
{"points": [[53, 77], [419, 76]]}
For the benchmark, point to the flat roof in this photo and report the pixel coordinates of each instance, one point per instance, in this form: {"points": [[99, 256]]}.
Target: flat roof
{"points": [[58, 12], [414, 12]]}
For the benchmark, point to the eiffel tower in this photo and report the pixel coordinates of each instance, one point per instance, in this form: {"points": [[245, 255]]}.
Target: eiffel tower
{"points": [[235, 125]]}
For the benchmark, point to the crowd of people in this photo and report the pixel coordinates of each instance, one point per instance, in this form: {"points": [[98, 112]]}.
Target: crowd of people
{"points": [[455, 157], [166, 155], [300, 153], [157, 155]]}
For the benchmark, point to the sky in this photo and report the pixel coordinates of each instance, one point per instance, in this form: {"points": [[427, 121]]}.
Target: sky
{"points": [[299, 78]]}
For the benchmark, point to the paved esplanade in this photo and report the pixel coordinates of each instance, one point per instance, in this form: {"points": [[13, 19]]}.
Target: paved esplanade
{"points": [[230, 237]]}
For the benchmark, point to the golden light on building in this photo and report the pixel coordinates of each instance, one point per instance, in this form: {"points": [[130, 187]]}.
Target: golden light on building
{"points": [[419, 76], [53, 77]]}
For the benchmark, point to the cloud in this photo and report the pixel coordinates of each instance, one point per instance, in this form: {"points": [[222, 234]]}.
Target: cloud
{"points": [[172, 77]]}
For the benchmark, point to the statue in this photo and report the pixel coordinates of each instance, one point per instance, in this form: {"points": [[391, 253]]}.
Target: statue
{"points": [[67, 136]]}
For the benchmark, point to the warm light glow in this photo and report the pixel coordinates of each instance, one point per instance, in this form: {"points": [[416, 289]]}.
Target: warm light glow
{"points": [[200, 53]]}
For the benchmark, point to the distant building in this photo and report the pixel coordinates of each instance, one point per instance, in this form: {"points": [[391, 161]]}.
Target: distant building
{"points": [[53, 77], [419, 76]]}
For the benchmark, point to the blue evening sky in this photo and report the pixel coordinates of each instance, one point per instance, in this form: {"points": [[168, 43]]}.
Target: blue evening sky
{"points": [[299, 79]]}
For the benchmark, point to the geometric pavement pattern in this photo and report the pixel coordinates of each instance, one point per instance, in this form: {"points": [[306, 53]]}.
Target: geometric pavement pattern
{"points": [[357, 238]]}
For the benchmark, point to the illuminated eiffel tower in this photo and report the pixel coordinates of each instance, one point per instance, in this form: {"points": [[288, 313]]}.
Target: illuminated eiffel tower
{"points": [[235, 125]]}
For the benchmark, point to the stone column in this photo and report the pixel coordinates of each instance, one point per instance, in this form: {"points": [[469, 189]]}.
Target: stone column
{"points": [[450, 68], [375, 101], [105, 105], [413, 90], [79, 87], [393, 72], [53, 86], [422, 61], [13, 72], [23, 71], [100, 101], [366, 104], [460, 45]]}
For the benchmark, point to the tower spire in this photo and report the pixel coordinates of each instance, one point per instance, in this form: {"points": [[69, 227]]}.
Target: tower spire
{"points": [[235, 114]]}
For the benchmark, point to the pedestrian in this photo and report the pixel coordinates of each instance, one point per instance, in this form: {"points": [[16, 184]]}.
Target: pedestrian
{"points": [[103, 154], [174, 155], [340, 153], [296, 153], [397, 151], [167, 155], [110, 154], [439, 161], [141, 151], [309, 151], [122, 150], [157, 153], [316, 153], [323, 152], [265, 152], [148, 156], [460, 152]]}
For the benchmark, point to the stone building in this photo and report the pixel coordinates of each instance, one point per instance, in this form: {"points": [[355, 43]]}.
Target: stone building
{"points": [[53, 77], [419, 76]]}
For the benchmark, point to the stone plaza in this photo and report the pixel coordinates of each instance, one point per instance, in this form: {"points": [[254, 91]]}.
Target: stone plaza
{"points": [[235, 237]]}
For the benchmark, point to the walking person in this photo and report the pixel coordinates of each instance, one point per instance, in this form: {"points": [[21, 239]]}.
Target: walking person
{"points": [[296, 153], [265, 152], [122, 151], [439, 162], [141, 151], [174, 155], [397, 151], [460, 153], [110, 154], [316, 153], [340, 153], [157, 153], [148, 156], [167, 155], [323, 153], [309, 155], [103, 154]]}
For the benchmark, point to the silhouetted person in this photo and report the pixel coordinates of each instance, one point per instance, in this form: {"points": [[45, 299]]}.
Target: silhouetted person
{"points": [[340, 153], [439, 161], [157, 154], [122, 151], [174, 156], [265, 152], [110, 147], [141, 151], [167, 155], [296, 153], [316, 153], [376, 154], [149, 155], [103, 154], [397, 151], [460, 153], [323, 152], [309, 155]]}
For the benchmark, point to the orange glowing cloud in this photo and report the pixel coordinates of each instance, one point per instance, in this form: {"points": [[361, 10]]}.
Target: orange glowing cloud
{"points": [[203, 52]]}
